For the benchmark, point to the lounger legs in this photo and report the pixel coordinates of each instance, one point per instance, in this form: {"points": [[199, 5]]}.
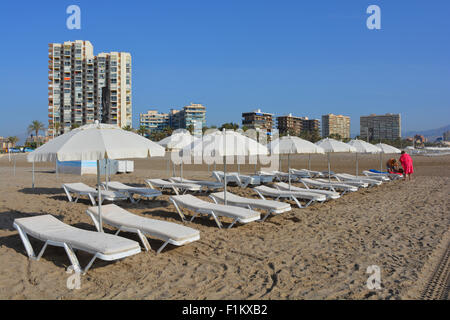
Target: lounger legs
{"points": [[162, 247], [178, 210]]}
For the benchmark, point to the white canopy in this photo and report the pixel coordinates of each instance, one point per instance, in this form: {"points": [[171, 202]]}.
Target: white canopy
{"points": [[385, 148], [363, 146], [96, 142], [293, 145], [331, 145], [178, 140]]}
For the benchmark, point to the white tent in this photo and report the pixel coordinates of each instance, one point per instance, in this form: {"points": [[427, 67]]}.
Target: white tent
{"points": [[334, 146], [385, 148], [223, 144], [362, 147], [96, 142], [293, 145]]}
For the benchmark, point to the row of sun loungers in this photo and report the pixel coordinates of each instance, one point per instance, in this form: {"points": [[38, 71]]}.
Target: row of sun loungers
{"points": [[239, 209]]}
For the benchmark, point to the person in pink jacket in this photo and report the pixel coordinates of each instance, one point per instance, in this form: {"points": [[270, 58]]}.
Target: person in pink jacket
{"points": [[407, 164]]}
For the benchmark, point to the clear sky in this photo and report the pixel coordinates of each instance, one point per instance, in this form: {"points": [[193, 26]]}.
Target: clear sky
{"points": [[305, 57]]}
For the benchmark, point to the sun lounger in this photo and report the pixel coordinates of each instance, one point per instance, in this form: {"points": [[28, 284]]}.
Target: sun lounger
{"points": [[81, 189], [206, 184], [56, 233], [388, 176], [124, 220], [270, 206], [240, 179], [333, 186], [131, 191], [215, 210], [343, 177], [176, 187], [293, 195], [326, 193], [305, 173], [278, 175], [358, 184]]}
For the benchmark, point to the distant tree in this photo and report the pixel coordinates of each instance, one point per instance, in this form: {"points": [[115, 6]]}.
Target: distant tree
{"points": [[13, 140], [229, 126], [245, 128], [335, 136], [74, 126], [35, 127], [57, 128], [142, 130], [127, 128]]}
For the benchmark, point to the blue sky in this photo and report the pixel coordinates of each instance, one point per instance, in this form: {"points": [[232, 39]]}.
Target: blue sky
{"points": [[305, 57]]}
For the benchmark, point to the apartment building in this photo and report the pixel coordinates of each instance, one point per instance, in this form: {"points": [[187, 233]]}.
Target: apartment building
{"points": [[296, 125], [83, 88], [190, 115], [380, 127], [154, 121], [336, 125], [258, 120]]}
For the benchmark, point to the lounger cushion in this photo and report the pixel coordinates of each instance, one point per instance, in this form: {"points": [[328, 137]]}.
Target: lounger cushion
{"points": [[82, 188], [123, 187], [255, 203], [302, 195], [196, 204], [47, 227], [168, 184], [165, 230]]}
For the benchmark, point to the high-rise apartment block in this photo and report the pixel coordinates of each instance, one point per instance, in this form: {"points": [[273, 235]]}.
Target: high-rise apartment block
{"points": [[380, 127], [296, 125], [83, 88], [258, 120], [336, 125]]}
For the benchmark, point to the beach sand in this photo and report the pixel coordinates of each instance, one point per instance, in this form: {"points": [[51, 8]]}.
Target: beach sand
{"points": [[321, 252]]}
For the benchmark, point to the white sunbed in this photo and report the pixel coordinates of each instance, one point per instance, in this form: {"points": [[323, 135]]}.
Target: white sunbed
{"points": [[270, 206], [343, 177], [329, 194], [355, 183], [305, 173], [56, 233], [240, 179], [200, 206], [131, 191], [333, 186], [126, 221], [278, 175], [81, 189], [208, 185], [387, 176], [293, 195], [175, 186]]}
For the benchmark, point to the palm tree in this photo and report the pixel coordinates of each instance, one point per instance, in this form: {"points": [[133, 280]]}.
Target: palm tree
{"points": [[56, 128], [13, 140], [127, 128], [142, 130], [35, 127]]}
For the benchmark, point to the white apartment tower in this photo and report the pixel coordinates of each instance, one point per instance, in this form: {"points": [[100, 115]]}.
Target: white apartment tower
{"points": [[84, 88]]}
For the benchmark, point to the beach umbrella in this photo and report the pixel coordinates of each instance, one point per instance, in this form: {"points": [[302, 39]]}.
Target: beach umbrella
{"points": [[223, 144], [293, 145], [362, 147], [96, 142], [333, 146], [388, 149], [178, 140]]}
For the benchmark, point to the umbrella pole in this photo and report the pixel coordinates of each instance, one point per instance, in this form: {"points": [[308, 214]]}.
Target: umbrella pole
{"points": [[289, 170], [239, 168], [56, 168], [14, 164], [381, 162], [181, 171], [309, 161], [225, 179], [329, 170], [106, 174], [33, 177], [357, 164], [99, 198]]}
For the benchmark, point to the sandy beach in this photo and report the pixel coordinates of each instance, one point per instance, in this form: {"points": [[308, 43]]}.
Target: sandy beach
{"points": [[321, 252]]}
